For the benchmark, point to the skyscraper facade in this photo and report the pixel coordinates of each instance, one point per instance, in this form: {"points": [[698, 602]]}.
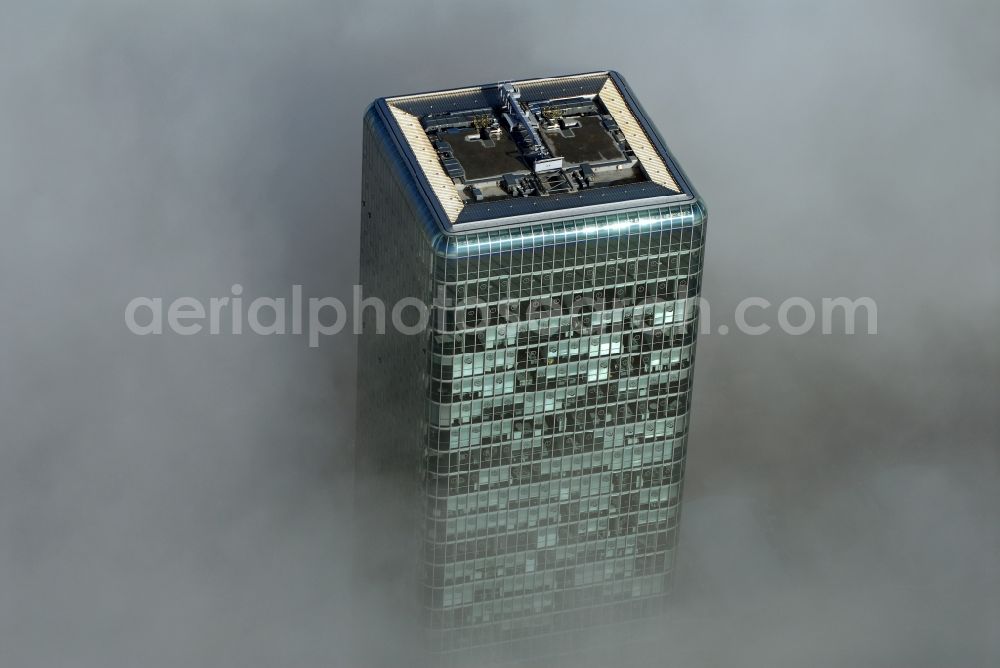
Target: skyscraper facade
{"points": [[521, 445]]}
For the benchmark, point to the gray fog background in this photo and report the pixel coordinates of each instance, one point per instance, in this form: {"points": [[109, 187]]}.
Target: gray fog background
{"points": [[181, 501]]}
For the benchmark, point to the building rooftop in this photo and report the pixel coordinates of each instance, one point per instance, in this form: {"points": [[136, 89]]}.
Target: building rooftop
{"points": [[513, 151]]}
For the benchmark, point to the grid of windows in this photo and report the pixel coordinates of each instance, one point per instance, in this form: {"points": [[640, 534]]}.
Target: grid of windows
{"points": [[559, 385]]}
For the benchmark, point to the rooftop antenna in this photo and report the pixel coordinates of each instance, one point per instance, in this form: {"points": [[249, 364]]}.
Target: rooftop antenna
{"points": [[542, 160]]}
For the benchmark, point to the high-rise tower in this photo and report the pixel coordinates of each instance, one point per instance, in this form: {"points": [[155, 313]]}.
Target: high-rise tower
{"points": [[531, 438]]}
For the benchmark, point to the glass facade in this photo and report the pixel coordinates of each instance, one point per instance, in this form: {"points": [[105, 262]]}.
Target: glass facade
{"points": [[545, 412]]}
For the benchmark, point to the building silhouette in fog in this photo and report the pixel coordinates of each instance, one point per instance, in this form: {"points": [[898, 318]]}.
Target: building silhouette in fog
{"points": [[521, 459]]}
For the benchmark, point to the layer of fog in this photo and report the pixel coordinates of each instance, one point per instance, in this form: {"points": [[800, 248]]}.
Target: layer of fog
{"points": [[184, 501]]}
